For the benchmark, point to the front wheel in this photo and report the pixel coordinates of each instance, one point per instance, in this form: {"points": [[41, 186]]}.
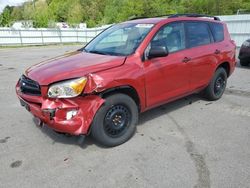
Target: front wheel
{"points": [[217, 85], [115, 122]]}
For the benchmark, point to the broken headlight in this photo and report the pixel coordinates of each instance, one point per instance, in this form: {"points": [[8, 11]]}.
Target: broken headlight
{"points": [[67, 89]]}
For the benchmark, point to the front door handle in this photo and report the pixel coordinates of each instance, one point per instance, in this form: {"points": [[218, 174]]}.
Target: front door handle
{"points": [[186, 59], [217, 51]]}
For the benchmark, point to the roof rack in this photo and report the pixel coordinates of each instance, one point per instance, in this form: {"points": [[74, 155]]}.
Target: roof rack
{"points": [[136, 18], [193, 15], [177, 15]]}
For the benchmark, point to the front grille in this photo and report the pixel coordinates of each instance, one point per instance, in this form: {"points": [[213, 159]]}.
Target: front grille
{"points": [[29, 87]]}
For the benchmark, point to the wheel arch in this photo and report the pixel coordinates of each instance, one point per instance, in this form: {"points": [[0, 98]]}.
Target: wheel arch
{"points": [[127, 90], [226, 66]]}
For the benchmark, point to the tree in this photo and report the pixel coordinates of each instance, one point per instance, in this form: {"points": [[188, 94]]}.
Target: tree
{"points": [[93, 11], [59, 10], [5, 18], [41, 16], [17, 13], [75, 13], [98, 12], [28, 11]]}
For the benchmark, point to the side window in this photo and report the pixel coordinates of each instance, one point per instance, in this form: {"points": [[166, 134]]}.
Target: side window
{"points": [[172, 36], [197, 34], [218, 31]]}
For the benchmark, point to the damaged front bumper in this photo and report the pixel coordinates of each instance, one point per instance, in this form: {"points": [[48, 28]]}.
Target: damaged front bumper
{"points": [[73, 116]]}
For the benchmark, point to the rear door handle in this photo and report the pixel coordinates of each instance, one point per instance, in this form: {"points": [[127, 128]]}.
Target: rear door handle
{"points": [[186, 59], [217, 51]]}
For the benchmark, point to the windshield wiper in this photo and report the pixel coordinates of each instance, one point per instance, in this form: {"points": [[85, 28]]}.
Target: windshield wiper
{"points": [[104, 53], [83, 49], [97, 52]]}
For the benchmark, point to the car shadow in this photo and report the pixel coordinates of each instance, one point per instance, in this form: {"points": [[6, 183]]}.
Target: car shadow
{"points": [[144, 117], [168, 107], [66, 139]]}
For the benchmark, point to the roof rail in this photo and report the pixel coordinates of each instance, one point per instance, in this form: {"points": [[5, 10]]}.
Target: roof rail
{"points": [[176, 16], [193, 15], [136, 18]]}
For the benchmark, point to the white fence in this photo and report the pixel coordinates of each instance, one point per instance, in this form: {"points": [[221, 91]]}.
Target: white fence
{"points": [[10, 36], [238, 25]]}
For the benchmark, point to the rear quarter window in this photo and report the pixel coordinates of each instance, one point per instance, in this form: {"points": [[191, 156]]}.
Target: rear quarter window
{"points": [[218, 31], [198, 34]]}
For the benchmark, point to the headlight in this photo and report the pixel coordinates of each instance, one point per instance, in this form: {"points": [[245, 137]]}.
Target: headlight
{"points": [[246, 43], [67, 89]]}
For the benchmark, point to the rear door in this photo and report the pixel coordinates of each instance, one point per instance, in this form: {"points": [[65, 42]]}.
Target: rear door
{"points": [[202, 53], [224, 47]]}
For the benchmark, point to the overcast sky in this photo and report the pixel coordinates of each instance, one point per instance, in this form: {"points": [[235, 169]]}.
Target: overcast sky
{"points": [[4, 3]]}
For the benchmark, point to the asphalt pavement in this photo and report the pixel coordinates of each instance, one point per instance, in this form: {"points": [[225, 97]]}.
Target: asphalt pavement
{"points": [[187, 143]]}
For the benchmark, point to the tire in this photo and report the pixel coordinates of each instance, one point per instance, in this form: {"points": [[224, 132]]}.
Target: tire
{"points": [[115, 122], [244, 63], [217, 85]]}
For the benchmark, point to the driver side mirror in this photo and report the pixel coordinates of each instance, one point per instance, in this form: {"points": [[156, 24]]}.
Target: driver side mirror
{"points": [[157, 51]]}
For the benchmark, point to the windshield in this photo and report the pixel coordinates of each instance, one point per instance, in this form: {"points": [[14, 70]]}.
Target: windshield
{"points": [[119, 40]]}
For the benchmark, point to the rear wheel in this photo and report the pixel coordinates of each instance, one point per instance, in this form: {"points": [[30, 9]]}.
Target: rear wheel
{"points": [[217, 86], [244, 63], [115, 122]]}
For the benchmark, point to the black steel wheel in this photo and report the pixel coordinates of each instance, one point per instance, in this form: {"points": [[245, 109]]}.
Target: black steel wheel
{"points": [[115, 122], [217, 85]]}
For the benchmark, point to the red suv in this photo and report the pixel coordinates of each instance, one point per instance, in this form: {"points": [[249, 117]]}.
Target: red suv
{"points": [[127, 69]]}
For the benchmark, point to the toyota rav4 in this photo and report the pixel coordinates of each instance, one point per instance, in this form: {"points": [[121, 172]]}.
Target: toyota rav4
{"points": [[127, 69]]}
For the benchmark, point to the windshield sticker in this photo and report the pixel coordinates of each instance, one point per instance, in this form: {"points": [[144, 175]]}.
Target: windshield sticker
{"points": [[144, 25]]}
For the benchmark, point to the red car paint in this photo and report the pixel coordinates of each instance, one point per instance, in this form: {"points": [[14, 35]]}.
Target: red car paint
{"points": [[155, 81], [75, 63]]}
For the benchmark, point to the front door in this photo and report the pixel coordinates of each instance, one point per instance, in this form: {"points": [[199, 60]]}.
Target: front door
{"points": [[167, 77]]}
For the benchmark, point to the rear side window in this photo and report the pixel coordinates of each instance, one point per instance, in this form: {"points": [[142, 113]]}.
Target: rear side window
{"points": [[198, 34], [218, 31]]}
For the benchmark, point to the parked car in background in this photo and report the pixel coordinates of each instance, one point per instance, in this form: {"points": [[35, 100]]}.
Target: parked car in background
{"points": [[244, 54], [129, 68]]}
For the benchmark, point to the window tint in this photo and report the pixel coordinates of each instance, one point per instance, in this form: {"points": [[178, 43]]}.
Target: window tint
{"points": [[218, 31], [172, 36], [197, 34]]}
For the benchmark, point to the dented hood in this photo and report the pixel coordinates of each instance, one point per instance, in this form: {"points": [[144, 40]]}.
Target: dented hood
{"points": [[71, 65]]}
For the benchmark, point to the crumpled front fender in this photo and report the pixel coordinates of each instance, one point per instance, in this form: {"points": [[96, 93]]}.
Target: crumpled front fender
{"points": [[97, 83]]}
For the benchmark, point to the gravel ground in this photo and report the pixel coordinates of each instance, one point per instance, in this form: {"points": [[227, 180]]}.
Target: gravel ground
{"points": [[187, 143]]}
